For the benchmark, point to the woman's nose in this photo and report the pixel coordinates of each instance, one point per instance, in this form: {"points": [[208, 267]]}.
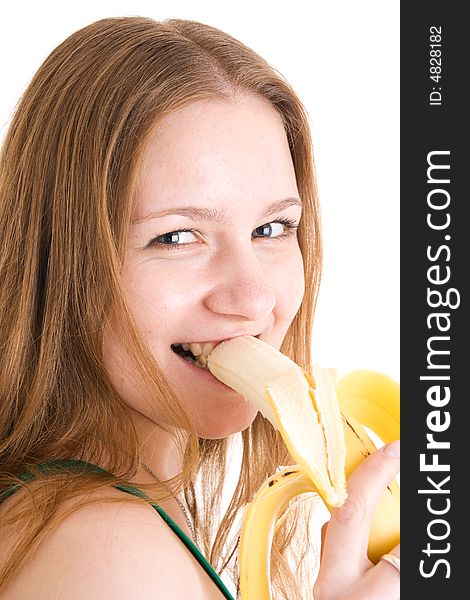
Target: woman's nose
{"points": [[242, 286]]}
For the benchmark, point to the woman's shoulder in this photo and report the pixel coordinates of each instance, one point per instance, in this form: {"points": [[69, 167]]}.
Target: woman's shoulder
{"points": [[111, 548]]}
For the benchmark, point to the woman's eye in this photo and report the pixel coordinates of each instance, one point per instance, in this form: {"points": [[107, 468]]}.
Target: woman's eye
{"points": [[277, 230], [273, 229], [181, 238]]}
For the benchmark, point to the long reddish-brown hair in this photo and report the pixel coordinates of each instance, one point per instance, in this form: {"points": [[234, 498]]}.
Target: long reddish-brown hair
{"points": [[68, 175]]}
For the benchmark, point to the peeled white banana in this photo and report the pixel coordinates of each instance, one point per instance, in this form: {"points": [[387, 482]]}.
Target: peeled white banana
{"points": [[321, 424]]}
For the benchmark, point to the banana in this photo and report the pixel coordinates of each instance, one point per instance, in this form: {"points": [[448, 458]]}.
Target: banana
{"points": [[259, 523], [374, 399], [309, 421], [385, 526], [320, 421]]}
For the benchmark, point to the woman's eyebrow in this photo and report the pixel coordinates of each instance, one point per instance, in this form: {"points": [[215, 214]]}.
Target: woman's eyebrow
{"points": [[211, 213]]}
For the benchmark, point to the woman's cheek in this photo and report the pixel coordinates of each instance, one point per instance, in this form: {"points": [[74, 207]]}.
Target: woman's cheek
{"points": [[293, 279]]}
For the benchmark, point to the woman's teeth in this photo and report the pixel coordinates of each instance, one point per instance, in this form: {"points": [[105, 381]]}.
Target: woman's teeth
{"points": [[199, 351], [202, 352]]}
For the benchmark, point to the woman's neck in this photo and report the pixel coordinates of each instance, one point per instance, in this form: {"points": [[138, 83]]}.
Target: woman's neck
{"points": [[158, 448]]}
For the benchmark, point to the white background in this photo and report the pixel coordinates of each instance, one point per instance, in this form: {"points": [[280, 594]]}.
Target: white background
{"points": [[342, 58]]}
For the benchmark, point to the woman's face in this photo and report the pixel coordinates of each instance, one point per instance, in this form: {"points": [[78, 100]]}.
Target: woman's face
{"points": [[208, 257]]}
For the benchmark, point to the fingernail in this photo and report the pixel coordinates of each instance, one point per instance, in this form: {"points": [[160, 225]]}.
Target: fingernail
{"points": [[392, 449]]}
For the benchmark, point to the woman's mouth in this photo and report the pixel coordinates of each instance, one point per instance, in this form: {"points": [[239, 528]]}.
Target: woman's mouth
{"points": [[194, 352]]}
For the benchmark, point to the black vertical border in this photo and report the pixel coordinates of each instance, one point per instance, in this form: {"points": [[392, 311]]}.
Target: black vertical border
{"points": [[425, 128]]}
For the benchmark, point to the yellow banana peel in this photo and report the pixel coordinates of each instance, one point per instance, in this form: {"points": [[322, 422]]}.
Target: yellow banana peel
{"points": [[321, 422]]}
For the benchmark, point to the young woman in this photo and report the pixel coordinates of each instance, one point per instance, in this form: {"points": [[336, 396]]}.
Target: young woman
{"points": [[156, 189]]}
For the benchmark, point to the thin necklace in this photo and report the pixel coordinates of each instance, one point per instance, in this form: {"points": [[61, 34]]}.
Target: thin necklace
{"points": [[180, 504]]}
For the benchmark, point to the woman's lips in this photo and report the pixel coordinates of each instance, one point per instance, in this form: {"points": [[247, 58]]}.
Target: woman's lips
{"points": [[216, 342]]}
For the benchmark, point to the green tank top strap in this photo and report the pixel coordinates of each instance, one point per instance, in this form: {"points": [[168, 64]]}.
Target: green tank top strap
{"points": [[82, 466]]}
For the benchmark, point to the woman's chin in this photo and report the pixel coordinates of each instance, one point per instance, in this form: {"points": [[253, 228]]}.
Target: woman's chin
{"points": [[222, 426]]}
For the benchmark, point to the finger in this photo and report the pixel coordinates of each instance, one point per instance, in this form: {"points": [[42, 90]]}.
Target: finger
{"points": [[384, 578], [347, 536], [390, 564]]}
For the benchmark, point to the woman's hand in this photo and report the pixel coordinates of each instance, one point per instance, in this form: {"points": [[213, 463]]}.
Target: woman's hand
{"points": [[345, 571]]}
